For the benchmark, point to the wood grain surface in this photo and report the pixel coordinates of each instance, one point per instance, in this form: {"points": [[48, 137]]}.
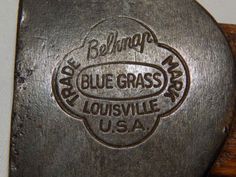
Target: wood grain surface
{"points": [[225, 166]]}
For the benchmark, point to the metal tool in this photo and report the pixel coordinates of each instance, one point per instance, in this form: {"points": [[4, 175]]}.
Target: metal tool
{"points": [[119, 88]]}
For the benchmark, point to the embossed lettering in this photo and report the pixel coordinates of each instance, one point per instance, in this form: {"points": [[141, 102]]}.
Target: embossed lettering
{"points": [[68, 92], [114, 45], [145, 107], [176, 85]]}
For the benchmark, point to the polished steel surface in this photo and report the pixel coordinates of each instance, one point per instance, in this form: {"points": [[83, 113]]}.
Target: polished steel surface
{"points": [[119, 88]]}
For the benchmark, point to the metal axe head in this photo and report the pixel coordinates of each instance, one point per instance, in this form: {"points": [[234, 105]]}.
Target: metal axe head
{"points": [[119, 88]]}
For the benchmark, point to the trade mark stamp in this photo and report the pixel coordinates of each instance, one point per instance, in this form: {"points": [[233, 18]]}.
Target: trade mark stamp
{"points": [[121, 82]]}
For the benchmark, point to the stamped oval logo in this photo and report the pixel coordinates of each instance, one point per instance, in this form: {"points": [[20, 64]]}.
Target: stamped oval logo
{"points": [[102, 82], [121, 81]]}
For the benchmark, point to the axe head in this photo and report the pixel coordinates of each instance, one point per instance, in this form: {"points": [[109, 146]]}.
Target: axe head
{"points": [[119, 88]]}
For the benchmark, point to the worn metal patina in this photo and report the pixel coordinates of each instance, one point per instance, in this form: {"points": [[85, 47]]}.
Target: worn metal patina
{"points": [[119, 88]]}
